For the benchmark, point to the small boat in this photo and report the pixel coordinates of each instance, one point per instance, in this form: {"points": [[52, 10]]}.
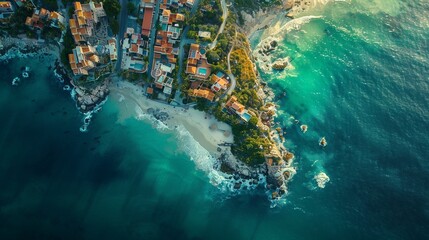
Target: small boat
{"points": [[323, 142], [304, 128], [15, 81], [25, 74]]}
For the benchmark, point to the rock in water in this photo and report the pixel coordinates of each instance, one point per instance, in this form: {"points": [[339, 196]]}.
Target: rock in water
{"points": [[304, 128], [323, 142], [280, 64], [321, 179]]}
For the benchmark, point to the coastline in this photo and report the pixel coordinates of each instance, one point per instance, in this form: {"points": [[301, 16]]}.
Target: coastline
{"points": [[24, 47], [196, 122]]}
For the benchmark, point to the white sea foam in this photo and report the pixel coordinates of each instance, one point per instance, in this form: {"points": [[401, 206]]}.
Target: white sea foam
{"points": [[200, 156], [58, 76], [321, 179], [88, 115], [141, 115], [277, 33], [16, 81], [15, 52]]}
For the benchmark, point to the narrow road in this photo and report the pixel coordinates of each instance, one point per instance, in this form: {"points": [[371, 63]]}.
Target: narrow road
{"points": [[222, 26], [152, 37], [231, 76], [123, 20], [185, 41]]}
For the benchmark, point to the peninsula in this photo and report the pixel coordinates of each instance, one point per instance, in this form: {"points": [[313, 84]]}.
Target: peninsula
{"points": [[183, 62]]}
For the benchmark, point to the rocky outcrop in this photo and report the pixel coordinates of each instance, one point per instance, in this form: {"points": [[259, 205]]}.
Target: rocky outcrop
{"points": [[88, 98], [268, 48], [279, 169], [230, 164], [280, 64], [158, 114]]}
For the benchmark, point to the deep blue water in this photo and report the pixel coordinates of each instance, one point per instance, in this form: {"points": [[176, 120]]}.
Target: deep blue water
{"points": [[360, 79]]}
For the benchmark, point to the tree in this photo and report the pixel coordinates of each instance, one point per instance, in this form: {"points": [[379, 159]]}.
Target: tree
{"points": [[253, 121], [131, 8], [112, 8]]}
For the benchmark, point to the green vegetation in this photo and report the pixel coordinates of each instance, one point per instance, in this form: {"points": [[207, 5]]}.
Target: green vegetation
{"points": [[251, 6], [207, 18], [51, 5], [132, 9], [51, 33], [218, 56], [250, 141], [112, 8], [69, 45], [17, 21]]}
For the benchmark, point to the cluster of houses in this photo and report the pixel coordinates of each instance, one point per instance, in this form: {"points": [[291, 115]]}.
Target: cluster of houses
{"points": [[134, 51], [85, 57], [8, 8], [6, 11], [42, 18]]}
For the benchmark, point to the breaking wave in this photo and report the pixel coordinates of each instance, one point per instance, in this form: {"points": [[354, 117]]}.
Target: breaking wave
{"points": [[263, 50]]}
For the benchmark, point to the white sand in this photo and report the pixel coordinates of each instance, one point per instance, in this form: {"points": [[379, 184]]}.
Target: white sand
{"points": [[196, 122]]}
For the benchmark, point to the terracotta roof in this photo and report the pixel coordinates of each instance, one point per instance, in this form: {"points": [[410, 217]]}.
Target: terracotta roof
{"points": [[231, 101], [71, 58], [191, 70], [77, 6], [72, 23], [149, 90], [237, 106], [223, 82], [202, 93], [28, 21], [147, 21], [87, 15], [43, 12], [54, 15], [134, 48], [5, 5], [180, 17]]}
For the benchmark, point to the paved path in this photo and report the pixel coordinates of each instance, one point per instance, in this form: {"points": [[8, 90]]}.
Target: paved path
{"points": [[152, 37], [222, 26], [183, 42], [231, 76], [123, 19]]}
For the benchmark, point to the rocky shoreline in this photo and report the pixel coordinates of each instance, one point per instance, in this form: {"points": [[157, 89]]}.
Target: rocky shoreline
{"points": [[87, 98]]}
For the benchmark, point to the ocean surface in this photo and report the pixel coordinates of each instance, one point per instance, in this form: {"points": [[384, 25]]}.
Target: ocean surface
{"points": [[360, 78]]}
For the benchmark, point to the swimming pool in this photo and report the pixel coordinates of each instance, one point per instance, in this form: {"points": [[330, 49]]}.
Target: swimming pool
{"points": [[246, 116], [138, 66], [202, 71]]}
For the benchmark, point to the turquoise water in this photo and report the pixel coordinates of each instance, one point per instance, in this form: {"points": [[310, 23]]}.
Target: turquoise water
{"points": [[202, 71], [246, 116], [138, 66], [360, 79]]}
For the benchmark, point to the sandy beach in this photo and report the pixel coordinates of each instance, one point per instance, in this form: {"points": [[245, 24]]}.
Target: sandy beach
{"points": [[196, 122]]}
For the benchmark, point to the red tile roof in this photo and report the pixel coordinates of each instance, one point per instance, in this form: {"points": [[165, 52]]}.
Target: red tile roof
{"points": [[147, 21]]}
